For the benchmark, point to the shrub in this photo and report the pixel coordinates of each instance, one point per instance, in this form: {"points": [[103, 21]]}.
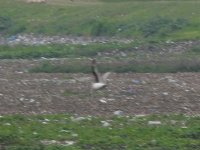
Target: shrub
{"points": [[5, 24], [196, 49], [162, 26], [100, 27]]}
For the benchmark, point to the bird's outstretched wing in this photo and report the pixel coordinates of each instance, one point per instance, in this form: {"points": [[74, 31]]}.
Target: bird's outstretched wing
{"points": [[105, 76], [95, 71]]}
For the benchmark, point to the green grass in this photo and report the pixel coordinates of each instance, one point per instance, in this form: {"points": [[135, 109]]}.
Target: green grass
{"points": [[103, 18], [142, 61], [178, 132], [60, 51]]}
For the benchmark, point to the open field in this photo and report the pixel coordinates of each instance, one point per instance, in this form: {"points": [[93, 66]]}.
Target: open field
{"points": [[176, 20], [132, 93], [77, 122], [152, 101]]}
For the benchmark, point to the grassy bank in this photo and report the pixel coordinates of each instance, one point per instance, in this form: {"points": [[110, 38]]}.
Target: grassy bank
{"points": [[60, 51], [48, 132], [135, 50], [162, 65], [176, 20], [133, 57]]}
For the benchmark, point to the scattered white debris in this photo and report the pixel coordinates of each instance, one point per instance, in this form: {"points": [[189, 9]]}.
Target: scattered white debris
{"points": [[32, 100], [21, 99], [105, 123], [43, 58], [103, 100], [47, 120], [7, 124], [30, 39], [78, 119], [118, 113], [66, 131], [110, 99], [143, 82], [140, 115], [154, 123], [165, 93], [173, 122], [67, 143], [184, 127], [44, 122], [136, 81], [35, 133], [19, 72], [169, 42], [172, 81], [63, 143]]}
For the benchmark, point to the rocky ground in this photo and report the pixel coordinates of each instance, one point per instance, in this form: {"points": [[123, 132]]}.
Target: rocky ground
{"points": [[127, 93], [31, 39]]}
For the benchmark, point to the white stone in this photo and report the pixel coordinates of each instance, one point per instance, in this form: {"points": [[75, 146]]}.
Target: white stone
{"points": [[21, 99], [140, 115], [172, 81], [105, 123], [154, 123], [32, 100], [68, 143], [173, 122], [78, 118], [118, 113], [7, 124], [165, 93], [35, 133], [103, 101]]}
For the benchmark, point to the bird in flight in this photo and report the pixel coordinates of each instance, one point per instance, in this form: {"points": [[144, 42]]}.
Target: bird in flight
{"points": [[100, 81]]}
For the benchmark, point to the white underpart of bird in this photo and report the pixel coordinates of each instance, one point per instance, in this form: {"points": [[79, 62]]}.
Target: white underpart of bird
{"points": [[98, 85], [102, 82]]}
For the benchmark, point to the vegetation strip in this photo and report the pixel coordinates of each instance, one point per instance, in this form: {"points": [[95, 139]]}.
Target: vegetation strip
{"points": [[148, 66], [176, 20], [61, 131]]}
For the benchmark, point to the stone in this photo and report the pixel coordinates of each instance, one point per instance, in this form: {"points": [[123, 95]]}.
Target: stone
{"points": [[154, 123], [118, 113], [105, 123]]}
